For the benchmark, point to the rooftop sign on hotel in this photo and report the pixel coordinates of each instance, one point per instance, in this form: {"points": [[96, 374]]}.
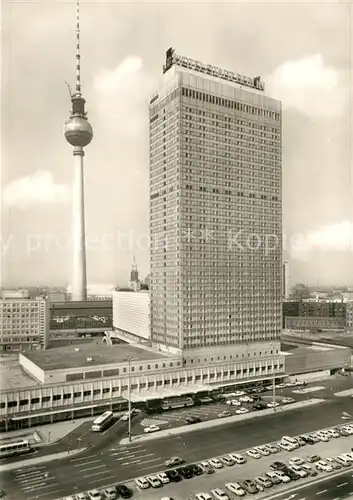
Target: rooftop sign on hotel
{"points": [[172, 58]]}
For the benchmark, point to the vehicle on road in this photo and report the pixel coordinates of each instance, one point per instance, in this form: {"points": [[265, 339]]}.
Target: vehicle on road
{"points": [[238, 459], [227, 460], [171, 462], [177, 402], [14, 448], [151, 428], [224, 413], [124, 491], [110, 493], [206, 467], [236, 489], [142, 483], [133, 412], [192, 420], [215, 463], [254, 454], [287, 401], [272, 404], [219, 494]]}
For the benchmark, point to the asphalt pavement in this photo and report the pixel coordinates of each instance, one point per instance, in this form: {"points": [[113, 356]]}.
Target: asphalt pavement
{"points": [[335, 488], [113, 463]]}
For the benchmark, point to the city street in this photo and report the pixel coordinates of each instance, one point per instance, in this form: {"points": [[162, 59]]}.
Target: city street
{"points": [[120, 463]]}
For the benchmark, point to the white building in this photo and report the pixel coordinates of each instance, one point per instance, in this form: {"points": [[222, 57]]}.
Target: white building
{"points": [[131, 314], [215, 182], [24, 324]]}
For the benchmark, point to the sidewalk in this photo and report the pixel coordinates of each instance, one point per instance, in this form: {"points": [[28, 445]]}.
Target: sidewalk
{"points": [[216, 423], [45, 434], [348, 392], [39, 460]]}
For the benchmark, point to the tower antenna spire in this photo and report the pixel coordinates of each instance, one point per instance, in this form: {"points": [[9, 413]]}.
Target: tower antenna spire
{"points": [[78, 53]]}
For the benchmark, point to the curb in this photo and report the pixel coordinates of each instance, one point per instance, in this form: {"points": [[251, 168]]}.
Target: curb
{"points": [[218, 422]]}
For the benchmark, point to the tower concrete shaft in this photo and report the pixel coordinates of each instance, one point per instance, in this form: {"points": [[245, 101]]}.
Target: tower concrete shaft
{"points": [[79, 274]]}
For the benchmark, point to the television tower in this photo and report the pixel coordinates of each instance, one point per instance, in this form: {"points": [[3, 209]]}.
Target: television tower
{"points": [[78, 133]]}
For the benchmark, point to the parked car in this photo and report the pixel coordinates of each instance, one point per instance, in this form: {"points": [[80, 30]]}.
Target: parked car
{"points": [[151, 428]]}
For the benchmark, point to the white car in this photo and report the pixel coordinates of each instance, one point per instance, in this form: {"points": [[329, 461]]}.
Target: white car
{"points": [[234, 402], [273, 448], [246, 399], [348, 429], [287, 401], [162, 476], [263, 450], [227, 460], [151, 428], [219, 494], [142, 483], [254, 454], [298, 470], [154, 481], [348, 456], [216, 463], [238, 459], [322, 436], [323, 466], [110, 493], [203, 496], [95, 495], [241, 411], [333, 433], [343, 461], [296, 461], [81, 496], [237, 394], [282, 476], [286, 446], [236, 489], [272, 405]]}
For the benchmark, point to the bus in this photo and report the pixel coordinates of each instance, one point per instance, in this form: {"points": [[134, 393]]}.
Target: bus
{"points": [[13, 448], [102, 421], [176, 402]]}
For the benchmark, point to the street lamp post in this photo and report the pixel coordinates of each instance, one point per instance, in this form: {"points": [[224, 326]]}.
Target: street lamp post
{"points": [[129, 395], [129, 401]]}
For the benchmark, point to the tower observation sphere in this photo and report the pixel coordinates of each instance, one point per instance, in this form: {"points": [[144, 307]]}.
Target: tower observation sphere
{"points": [[78, 131]]}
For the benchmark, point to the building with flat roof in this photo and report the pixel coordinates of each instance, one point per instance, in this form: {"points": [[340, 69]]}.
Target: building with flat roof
{"points": [[215, 180], [131, 315], [24, 324]]}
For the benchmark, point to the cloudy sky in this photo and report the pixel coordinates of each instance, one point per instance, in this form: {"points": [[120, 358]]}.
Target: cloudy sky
{"points": [[302, 50]]}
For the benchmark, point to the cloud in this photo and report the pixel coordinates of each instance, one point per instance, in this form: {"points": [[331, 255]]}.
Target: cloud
{"points": [[121, 96], [308, 85], [38, 188], [334, 237]]}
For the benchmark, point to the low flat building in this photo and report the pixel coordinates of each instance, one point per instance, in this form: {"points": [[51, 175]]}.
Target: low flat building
{"points": [[24, 324], [131, 314], [309, 323], [82, 380]]}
